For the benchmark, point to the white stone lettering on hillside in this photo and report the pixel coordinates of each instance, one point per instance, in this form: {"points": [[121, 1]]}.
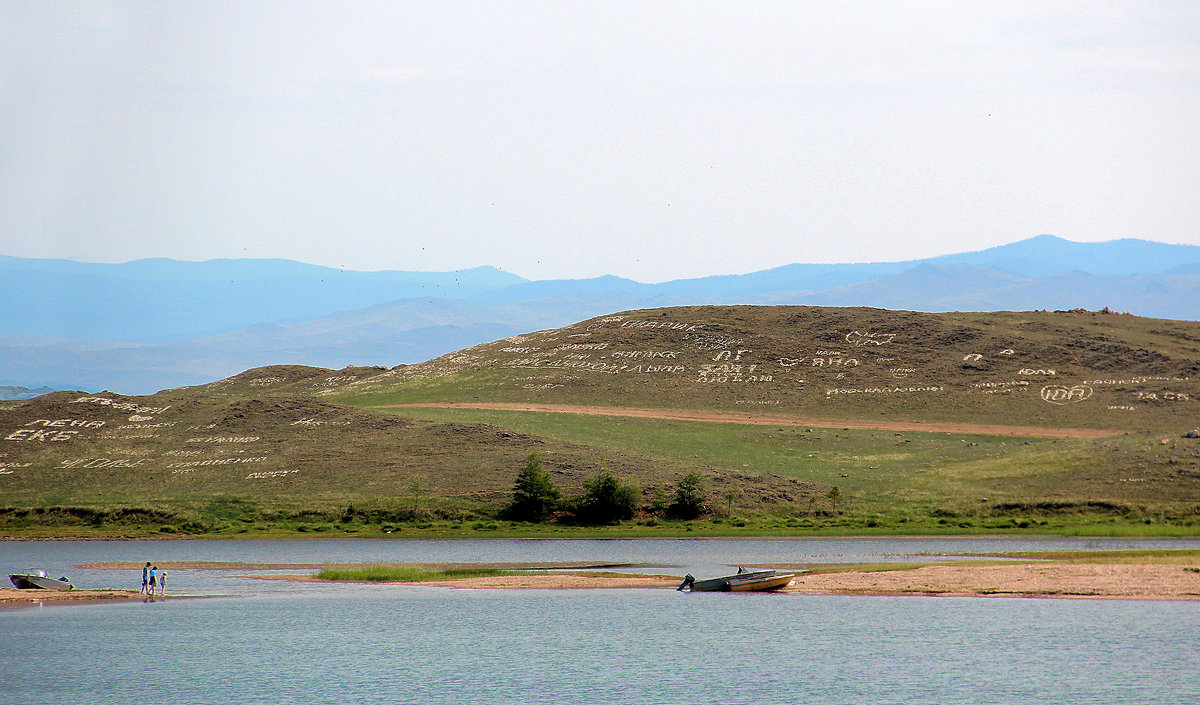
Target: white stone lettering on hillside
{"points": [[1134, 380], [858, 339], [663, 325], [727, 373], [122, 405], [315, 422], [99, 463], [224, 439], [600, 323], [1062, 394], [644, 354], [63, 423], [52, 430], [1162, 396], [339, 379], [830, 393], [215, 461], [712, 341], [127, 436], [270, 473], [1009, 387], [834, 362], [1027, 371]]}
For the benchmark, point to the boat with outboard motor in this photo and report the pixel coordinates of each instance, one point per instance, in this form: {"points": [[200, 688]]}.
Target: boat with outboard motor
{"points": [[37, 580], [743, 581]]}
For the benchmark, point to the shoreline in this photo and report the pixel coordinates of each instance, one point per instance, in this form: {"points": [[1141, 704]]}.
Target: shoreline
{"points": [[634, 532], [12, 597], [1039, 580], [1044, 580]]}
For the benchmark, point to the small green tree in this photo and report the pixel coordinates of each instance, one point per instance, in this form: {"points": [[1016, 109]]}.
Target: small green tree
{"points": [[607, 500], [416, 486], [689, 497], [835, 496], [534, 495]]}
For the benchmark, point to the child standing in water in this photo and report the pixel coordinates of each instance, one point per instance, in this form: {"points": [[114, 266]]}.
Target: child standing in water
{"points": [[162, 584]]}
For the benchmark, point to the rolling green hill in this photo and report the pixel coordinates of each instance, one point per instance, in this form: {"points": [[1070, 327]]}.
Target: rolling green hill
{"points": [[1064, 421]]}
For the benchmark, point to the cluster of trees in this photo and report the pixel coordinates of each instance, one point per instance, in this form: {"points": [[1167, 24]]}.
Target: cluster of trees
{"points": [[605, 500]]}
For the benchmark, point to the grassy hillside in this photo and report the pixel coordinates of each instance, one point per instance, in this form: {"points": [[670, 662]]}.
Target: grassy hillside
{"points": [[1050, 370], [924, 423]]}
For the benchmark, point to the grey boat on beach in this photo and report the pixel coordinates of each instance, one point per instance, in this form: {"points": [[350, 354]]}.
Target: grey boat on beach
{"points": [[743, 581], [37, 580]]}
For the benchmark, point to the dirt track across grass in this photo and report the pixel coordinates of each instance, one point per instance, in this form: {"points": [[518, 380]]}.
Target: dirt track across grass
{"points": [[776, 420]]}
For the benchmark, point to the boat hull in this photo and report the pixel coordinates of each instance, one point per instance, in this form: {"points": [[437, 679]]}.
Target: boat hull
{"points": [[776, 583], [759, 581], [30, 581]]}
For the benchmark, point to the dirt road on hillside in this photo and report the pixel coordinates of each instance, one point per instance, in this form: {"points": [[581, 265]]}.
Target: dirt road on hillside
{"points": [[777, 420]]}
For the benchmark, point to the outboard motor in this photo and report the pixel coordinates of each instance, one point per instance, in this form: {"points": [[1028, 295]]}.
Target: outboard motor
{"points": [[688, 581]]}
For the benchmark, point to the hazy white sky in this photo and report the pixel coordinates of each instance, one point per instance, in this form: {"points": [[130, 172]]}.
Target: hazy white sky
{"points": [[652, 140]]}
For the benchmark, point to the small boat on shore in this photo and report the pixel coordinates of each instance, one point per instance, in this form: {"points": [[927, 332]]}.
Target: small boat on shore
{"points": [[743, 581], [37, 580]]}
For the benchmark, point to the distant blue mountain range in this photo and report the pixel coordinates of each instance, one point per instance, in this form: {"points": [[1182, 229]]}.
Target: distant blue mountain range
{"points": [[150, 324]]}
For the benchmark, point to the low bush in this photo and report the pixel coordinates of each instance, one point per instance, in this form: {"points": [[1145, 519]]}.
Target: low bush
{"points": [[403, 573]]}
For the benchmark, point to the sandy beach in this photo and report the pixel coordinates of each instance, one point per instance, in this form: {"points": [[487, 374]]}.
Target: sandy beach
{"points": [[15, 597], [1039, 579], [1129, 581]]}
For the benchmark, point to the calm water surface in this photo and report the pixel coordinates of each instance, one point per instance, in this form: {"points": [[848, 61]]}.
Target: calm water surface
{"points": [[298, 643]]}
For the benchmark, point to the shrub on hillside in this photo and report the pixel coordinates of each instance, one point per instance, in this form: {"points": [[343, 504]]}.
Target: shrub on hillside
{"points": [[534, 495], [689, 497], [607, 500]]}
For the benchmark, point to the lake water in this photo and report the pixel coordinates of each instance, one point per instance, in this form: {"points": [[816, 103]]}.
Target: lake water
{"points": [[273, 642]]}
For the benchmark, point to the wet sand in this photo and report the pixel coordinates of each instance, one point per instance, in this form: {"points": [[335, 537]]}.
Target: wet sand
{"points": [[1042, 579], [1126, 581], [246, 565], [15, 597]]}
